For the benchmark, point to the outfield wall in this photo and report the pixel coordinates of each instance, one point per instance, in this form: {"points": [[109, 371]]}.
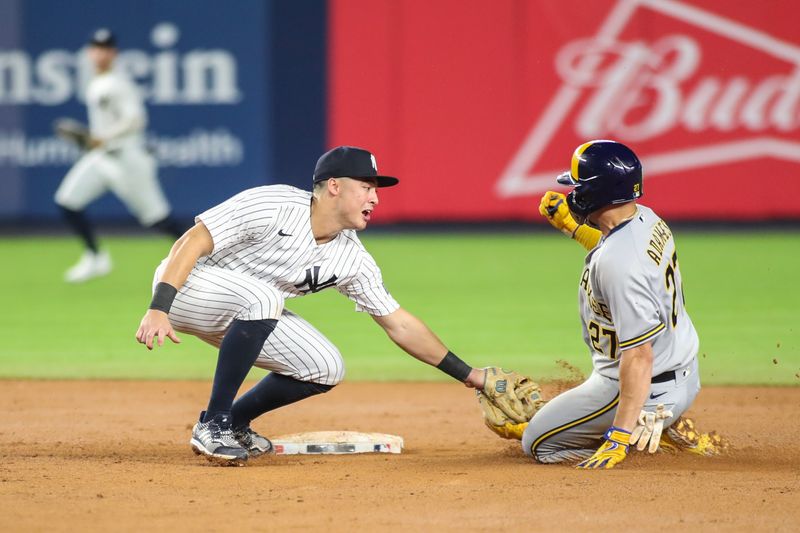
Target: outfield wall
{"points": [[235, 94], [480, 104], [476, 105]]}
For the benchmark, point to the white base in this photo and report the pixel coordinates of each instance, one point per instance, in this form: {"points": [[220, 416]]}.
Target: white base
{"points": [[336, 442]]}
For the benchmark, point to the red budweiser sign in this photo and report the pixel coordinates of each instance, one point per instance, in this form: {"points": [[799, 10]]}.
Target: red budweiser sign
{"points": [[482, 105]]}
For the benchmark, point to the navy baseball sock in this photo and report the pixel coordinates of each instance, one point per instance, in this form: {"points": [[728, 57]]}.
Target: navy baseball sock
{"points": [[169, 226], [237, 353], [80, 224], [275, 390]]}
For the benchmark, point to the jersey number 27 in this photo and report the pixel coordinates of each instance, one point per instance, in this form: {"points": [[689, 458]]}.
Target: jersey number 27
{"points": [[672, 286]]}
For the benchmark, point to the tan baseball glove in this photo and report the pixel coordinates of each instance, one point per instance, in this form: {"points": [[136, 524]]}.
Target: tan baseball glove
{"points": [[509, 400], [74, 132]]}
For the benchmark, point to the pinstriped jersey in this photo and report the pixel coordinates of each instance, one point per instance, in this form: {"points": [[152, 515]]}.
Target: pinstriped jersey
{"points": [[116, 112], [631, 293], [265, 232]]}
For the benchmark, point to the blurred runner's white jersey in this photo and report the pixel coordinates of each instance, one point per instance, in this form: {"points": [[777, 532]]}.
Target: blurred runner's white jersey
{"points": [[116, 113]]}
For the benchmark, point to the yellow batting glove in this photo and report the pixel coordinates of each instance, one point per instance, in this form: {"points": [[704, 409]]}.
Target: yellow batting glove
{"points": [[554, 208], [613, 450]]}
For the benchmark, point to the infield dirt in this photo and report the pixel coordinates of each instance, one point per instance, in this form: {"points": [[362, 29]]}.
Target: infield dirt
{"points": [[114, 455]]}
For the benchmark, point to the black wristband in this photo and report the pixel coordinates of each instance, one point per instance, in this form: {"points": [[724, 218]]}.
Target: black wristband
{"points": [[163, 297], [454, 367]]}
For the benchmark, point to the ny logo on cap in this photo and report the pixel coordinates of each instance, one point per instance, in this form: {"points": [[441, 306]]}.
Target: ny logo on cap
{"points": [[374, 163]]}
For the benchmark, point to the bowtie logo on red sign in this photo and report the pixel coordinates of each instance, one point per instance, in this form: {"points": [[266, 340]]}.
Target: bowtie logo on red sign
{"points": [[703, 90]]}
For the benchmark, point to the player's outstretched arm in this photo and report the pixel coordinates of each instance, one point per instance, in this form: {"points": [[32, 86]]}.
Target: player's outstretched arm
{"points": [[155, 325], [416, 339], [553, 207]]}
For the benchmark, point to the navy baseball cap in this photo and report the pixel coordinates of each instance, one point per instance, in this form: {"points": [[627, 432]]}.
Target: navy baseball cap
{"points": [[103, 38], [350, 162]]}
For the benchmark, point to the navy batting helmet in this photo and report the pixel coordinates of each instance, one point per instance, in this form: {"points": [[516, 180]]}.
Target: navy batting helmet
{"points": [[603, 173]]}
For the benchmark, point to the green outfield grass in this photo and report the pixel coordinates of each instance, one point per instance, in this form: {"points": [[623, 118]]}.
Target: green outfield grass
{"points": [[506, 300]]}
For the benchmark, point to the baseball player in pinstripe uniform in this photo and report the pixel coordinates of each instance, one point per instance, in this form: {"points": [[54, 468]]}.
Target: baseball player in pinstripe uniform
{"points": [[642, 342], [116, 161], [226, 281]]}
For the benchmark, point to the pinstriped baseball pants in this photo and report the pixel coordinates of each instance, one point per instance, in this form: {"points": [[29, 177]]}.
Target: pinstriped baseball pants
{"points": [[213, 297]]}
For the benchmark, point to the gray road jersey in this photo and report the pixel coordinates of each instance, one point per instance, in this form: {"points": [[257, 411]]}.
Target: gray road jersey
{"points": [[265, 232], [631, 292]]}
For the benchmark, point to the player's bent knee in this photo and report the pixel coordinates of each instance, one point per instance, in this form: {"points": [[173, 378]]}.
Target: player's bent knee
{"points": [[267, 304], [330, 366], [65, 202], [334, 377], [335, 380], [528, 438], [536, 445]]}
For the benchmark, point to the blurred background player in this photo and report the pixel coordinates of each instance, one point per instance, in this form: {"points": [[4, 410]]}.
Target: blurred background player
{"points": [[116, 161]]}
